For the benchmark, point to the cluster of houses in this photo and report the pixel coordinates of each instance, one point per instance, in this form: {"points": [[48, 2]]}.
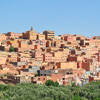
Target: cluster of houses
{"points": [[38, 57]]}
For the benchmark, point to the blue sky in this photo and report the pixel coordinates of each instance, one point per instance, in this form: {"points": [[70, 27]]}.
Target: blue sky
{"points": [[61, 16]]}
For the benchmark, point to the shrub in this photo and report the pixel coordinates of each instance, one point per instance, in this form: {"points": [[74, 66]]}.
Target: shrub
{"points": [[12, 49]]}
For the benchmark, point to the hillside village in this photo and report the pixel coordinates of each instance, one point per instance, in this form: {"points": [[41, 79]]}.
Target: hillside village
{"points": [[32, 57]]}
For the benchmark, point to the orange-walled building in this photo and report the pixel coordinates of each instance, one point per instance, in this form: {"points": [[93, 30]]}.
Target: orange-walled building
{"points": [[66, 65], [31, 34], [47, 57], [49, 34], [40, 36]]}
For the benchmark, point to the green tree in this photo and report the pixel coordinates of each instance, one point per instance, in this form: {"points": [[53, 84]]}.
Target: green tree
{"points": [[12, 49], [73, 84], [49, 83], [77, 97], [36, 75], [56, 84]]}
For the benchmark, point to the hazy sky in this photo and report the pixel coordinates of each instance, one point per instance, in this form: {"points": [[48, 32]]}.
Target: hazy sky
{"points": [[61, 16]]}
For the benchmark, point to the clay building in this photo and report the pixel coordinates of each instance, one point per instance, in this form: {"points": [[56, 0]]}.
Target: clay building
{"points": [[31, 34], [49, 34]]}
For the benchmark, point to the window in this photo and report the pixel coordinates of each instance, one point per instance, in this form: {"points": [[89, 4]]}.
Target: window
{"points": [[63, 78], [38, 78], [85, 60]]}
